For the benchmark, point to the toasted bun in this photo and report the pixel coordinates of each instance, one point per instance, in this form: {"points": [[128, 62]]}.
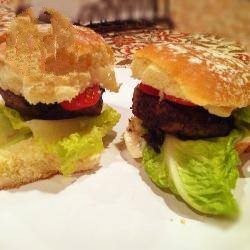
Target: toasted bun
{"points": [[53, 64], [19, 167], [205, 70], [133, 137]]}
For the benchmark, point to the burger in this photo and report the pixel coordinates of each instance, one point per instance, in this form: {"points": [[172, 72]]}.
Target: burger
{"points": [[52, 116], [192, 118]]}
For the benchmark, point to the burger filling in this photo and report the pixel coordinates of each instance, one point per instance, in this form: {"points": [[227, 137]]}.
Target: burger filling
{"points": [[168, 114], [87, 103]]}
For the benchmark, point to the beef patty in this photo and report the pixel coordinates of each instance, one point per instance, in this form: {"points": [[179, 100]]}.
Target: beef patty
{"points": [[184, 121], [46, 111]]}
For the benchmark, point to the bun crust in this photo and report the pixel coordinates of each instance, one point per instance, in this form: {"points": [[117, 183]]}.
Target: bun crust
{"points": [[205, 70], [53, 63], [19, 168]]}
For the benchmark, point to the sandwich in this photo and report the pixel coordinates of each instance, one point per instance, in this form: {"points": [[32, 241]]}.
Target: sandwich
{"points": [[192, 118], [52, 117]]}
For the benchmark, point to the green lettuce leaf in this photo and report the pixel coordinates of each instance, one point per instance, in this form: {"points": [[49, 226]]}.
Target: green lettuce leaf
{"points": [[76, 147], [243, 114], [155, 166], [13, 117], [84, 144], [13, 128], [70, 140], [242, 122], [201, 172]]}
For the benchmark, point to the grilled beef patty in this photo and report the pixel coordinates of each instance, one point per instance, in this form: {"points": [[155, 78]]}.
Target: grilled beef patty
{"points": [[46, 111], [183, 121]]}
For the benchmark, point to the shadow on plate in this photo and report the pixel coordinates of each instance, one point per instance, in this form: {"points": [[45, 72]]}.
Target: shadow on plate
{"points": [[176, 204], [53, 185], [109, 138]]}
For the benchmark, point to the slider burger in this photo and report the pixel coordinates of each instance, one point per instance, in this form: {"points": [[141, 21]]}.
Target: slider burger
{"points": [[192, 118], [52, 117]]}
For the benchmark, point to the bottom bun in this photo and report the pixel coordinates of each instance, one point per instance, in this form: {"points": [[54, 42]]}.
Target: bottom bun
{"points": [[27, 162], [133, 137]]}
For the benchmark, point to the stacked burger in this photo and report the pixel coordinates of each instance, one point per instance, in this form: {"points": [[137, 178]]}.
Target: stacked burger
{"points": [[191, 118], [52, 119]]}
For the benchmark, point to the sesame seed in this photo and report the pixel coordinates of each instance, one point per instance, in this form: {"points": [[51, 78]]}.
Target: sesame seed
{"points": [[225, 58], [195, 60]]}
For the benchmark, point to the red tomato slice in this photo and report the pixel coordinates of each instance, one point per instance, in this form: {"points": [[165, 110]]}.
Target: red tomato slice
{"points": [[86, 99], [179, 100], [155, 92], [148, 89]]}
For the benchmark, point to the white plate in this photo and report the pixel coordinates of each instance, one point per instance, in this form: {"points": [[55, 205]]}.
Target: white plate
{"points": [[117, 208]]}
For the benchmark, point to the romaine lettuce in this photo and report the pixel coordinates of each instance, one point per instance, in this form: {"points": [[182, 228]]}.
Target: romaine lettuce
{"points": [[70, 140], [242, 122], [242, 114], [155, 166], [201, 172], [12, 127], [86, 143]]}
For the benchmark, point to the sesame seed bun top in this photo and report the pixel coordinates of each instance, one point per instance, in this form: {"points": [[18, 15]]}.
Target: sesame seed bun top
{"points": [[204, 69]]}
